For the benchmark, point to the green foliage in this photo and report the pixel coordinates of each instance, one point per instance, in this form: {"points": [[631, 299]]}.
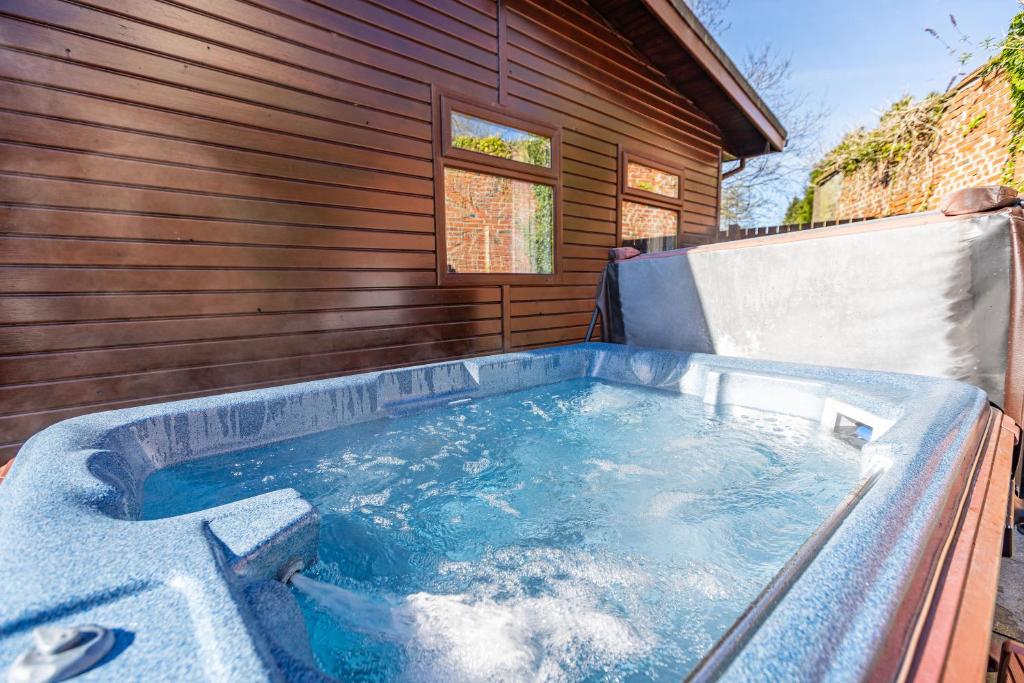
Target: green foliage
{"points": [[1011, 61], [542, 235], [535, 150], [974, 123], [801, 208], [538, 151], [492, 145], [532, 150], [907, 130]]}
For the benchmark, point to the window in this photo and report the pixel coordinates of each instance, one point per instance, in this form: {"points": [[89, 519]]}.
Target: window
{"points": [[651, 205], [498, 222], [650, 179], [649, 228], [504, 142]]}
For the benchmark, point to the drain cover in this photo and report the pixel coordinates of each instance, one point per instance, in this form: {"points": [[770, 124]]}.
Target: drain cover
{"points": [[61, 653]]}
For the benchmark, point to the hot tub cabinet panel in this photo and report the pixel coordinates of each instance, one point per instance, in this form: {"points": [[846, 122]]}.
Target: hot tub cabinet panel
{"points": [[198, 596], [954, 646]]}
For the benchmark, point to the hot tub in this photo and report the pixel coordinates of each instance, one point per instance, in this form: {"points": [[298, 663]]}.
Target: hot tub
{"points": [[575, 513]]}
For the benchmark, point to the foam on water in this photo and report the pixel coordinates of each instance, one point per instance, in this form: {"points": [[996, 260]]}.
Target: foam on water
{"points": [[578, 531], [462, 637]]}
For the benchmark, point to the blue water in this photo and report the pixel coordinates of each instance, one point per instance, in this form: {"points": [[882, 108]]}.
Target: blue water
{"points": [[579, 531]]}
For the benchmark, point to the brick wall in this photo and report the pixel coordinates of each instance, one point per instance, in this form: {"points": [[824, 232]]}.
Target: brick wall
{"points": [[653, 180], [641, 221], [974, 135]]}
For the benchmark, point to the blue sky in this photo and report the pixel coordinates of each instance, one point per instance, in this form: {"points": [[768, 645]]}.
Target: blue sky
{"points": [[857, 56]]}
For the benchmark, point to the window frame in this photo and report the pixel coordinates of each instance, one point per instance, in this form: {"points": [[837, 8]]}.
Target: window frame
{"points": [[646, 196], [447, 156], [638, 196]]}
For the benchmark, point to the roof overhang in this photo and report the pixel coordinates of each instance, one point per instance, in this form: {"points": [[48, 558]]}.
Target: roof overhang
{"points": [[671, 37]]}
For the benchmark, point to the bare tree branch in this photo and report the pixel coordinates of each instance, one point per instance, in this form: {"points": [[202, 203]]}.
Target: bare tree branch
{"points": [[751, 197], [711, 14]]}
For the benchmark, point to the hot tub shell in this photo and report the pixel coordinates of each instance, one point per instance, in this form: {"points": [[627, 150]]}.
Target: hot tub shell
{"points": [[198, 596]]}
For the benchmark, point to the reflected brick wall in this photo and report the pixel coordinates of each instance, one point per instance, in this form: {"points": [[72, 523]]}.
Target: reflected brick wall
{"points": [[642, 221], [481, 216], [646, 178]]}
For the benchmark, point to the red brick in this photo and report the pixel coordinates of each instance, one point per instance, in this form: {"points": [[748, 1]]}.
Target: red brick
{"points": [[961, 158]]}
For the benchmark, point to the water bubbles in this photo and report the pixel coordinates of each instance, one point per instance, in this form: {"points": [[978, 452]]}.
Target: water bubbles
{"points": [[458, 637], [370, 499], [382, 460], [498, 503], [620, 469], [476, 466], [579, 531]]}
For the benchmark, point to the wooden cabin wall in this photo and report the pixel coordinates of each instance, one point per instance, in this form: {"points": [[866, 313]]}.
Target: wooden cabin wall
{"points": [[203, 196]]}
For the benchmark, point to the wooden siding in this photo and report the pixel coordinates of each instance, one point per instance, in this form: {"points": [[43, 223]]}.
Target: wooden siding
{"points": [[203, 196]]}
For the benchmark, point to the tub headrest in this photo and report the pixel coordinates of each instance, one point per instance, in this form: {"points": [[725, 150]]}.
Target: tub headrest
{"points": [[978, 199], [622, 253]]}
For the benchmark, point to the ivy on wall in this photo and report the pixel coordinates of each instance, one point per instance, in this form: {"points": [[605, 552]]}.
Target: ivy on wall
{"points": [[908, 132], [1011, 60]]}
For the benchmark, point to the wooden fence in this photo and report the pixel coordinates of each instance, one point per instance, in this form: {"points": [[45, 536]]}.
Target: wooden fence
{"points": [[736, 232]]}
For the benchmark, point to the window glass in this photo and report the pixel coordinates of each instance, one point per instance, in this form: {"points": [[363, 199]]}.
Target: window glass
{"points": [[649, 228], [478, 135], [640, 177], [495, 224]]}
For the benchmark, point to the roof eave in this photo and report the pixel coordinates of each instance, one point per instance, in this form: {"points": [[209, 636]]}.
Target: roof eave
{"points": [[687, 29]]}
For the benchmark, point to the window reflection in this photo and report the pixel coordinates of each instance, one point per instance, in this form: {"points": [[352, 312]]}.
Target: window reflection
{"points": [[649, 228], [505, 142], [495, 224], [640, 177]]}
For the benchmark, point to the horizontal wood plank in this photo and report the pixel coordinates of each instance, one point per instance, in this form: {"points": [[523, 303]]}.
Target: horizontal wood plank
{"points": [[202, 197]]}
